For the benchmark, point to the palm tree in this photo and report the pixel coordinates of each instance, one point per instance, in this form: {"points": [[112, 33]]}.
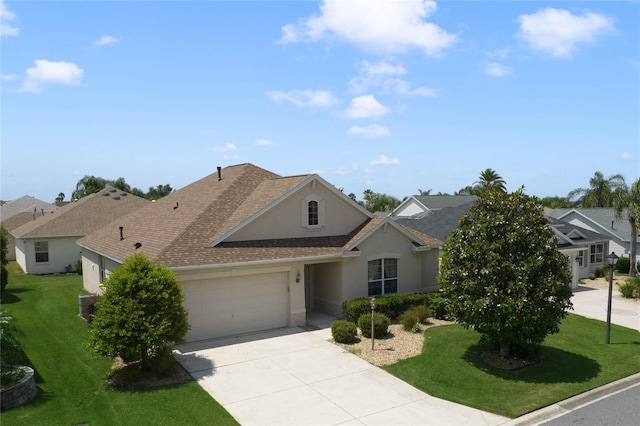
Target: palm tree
{"points": [[489, 178], [600, 191], [630, 200]]}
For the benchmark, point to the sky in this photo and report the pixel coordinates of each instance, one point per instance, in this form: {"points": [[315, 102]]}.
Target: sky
{"points": [[392, 96]]}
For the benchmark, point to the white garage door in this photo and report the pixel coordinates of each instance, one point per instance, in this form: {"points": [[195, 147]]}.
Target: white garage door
{"points": [[236, 305]]}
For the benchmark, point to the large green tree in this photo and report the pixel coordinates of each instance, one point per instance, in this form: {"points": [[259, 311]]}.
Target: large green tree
{"points": [[140, 316], [502, 274], [377, 202], [489, 178], [600, 191], [629, 201]]}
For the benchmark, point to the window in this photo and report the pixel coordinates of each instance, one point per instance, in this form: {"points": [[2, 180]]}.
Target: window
{"points": [[383, 276], [42, 251], [580, 258], [596, 253], [313, 213]]}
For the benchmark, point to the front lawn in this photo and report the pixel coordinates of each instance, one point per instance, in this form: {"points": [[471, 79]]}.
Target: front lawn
{"points": [[71, 383], [573, 361]]}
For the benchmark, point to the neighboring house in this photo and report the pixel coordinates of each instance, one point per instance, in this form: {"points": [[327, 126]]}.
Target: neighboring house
{"points": [[253, 250], [25, 204], [48, 244], [15, 222], [603, 221], [437, 223], [586, 250], [417, 205]]}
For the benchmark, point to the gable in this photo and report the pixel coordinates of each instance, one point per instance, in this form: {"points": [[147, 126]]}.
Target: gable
{"points": [[410, 207], [288, 216]]}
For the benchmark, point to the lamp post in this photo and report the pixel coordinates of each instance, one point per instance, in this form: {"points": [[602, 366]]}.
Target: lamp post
{"points": [[373, 309], [611, 260]]}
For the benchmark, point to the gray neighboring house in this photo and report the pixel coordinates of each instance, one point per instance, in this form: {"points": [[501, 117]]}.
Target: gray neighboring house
{"points": [[26, 204], [417, 205], [437, 223], [585, 249], [604, 221]]}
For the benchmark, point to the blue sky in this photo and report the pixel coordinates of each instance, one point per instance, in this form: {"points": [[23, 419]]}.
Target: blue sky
{"points": [[393, 96]]}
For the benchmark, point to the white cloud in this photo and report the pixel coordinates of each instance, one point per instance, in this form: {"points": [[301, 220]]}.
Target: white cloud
{"points": [[500, 53], [48, 72], [372, 131], [365, 107], [383, 160], [305, 98], [105, 40], [381, 26], [229, 147], [559, 32], [264, 142], [374, 74], [9, 77], [6, 29], [495, 69], [401, 87], [626, 156]]}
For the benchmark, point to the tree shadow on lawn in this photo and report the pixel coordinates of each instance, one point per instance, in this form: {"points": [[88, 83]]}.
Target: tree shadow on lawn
{"points": [[554, 366], [9, 295]]}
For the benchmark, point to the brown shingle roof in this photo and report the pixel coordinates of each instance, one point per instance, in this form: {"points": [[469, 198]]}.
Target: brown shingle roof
{"points": [[20, 219], [177, 230], [83, 216]]}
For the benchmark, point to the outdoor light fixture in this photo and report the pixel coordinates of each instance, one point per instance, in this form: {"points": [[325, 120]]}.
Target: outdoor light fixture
{"points": [[298, 277], [373, 309], [612, 259]]}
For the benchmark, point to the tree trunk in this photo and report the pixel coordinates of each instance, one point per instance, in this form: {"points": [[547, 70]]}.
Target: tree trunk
{"points": [[505, 349]]}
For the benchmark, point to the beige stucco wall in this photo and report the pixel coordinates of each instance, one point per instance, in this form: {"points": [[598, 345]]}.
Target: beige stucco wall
{"points": [[285, 220], [327, 287], [91, 262], [63, 251], [430, 270]]}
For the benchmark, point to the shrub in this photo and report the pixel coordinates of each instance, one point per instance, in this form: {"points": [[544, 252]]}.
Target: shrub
{"points": [[9, 334], [4, 251], [423, 313], [79, 267], [622, 265], [602, 271], [391, 305], [626, 289], [409, 320], [438, 305], [344, 331], [380, 326]]}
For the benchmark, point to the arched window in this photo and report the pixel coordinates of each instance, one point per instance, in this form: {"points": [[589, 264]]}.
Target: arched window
{"points": [[313, 212]]}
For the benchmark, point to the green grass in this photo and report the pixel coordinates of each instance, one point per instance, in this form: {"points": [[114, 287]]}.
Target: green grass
{"points": [[71, 383], [573, 361]]}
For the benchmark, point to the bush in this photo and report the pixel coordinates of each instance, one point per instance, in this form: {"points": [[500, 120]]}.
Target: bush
{"points": [[626, 289], [622, 265], [602, 271], [422, 312], [438, 305], [391, 305], [409, 320], [380, 327], [9, 334], [344, 331], [79, 267]]}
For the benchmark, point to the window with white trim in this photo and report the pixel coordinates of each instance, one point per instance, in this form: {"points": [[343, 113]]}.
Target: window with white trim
{"points": [[596, 253], [312, 213], [42, 251], [382, 276], [580, 258], [313, 219]]}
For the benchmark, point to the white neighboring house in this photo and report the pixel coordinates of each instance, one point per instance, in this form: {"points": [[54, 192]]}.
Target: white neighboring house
{"points": [[602, 220], [586, 250], [15, 222], [254, 251], [48, 244]]}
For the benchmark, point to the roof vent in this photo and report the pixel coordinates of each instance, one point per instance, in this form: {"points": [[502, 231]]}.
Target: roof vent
{"points": [[105, 194], [113, 190], [137, 245], [176, 206], [124, 194], [121, 233], [116, 198], [219, 173]]}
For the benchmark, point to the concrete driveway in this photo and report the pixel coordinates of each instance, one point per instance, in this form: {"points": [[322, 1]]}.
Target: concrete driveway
{"points": [[293, 377], [592, 303]]}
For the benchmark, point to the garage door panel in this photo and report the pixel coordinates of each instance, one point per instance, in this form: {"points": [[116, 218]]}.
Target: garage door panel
{"points": [[236, 305]]}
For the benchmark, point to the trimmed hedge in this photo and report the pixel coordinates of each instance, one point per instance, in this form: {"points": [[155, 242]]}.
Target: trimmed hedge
{"points": [[344, 331], [381, 324], [390, 305]]}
